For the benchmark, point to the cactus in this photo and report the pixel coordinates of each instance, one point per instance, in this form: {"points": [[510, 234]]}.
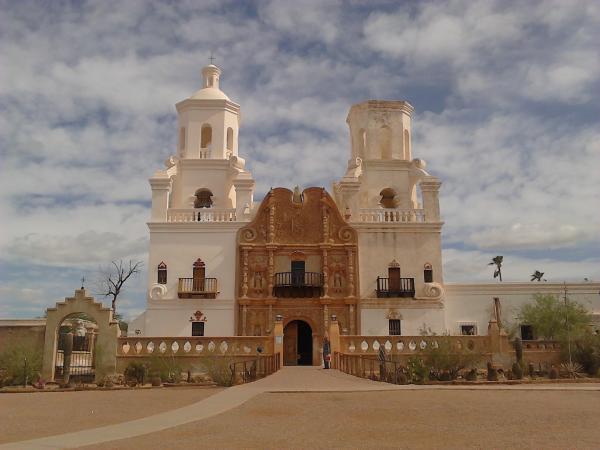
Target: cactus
{"points": [[518, 344], [531, 370], [471, 375], [492, 373], [517, 371]]}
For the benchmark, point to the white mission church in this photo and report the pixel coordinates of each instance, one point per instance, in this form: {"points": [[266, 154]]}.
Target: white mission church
{"points": [[367, 251]]}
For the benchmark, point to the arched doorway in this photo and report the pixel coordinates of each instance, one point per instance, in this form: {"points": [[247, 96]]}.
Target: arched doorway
{"points": [[75, 349], [297, 344]]}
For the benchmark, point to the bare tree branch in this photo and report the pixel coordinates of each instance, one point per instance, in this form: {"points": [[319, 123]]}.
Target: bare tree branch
{"points": [[112, 279]]}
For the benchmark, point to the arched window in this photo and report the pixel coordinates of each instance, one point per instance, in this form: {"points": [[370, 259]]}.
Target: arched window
{"points": [[182, 138], [417, 196], [205, 136], [385, 142], [230, 138], [406, 144], [162, 273], [388, 198], [203, 198], [428, 273], [362, 142]]}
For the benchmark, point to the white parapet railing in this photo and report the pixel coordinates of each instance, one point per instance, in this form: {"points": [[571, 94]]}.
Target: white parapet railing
{"points": [[391, 215], [201, 215]]}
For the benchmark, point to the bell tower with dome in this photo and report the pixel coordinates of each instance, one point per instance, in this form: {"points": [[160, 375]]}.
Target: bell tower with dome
{"points": [[208, 121], [200, 200]]}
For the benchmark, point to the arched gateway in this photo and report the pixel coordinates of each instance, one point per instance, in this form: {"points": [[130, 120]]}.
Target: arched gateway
{"points": [[298, 259]]}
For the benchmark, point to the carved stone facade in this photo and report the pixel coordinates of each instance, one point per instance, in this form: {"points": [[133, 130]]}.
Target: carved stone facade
{"points": [[289, 227]]}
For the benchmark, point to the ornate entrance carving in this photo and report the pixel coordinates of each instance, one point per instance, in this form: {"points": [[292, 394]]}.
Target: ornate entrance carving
{"points": [[298, 257]]}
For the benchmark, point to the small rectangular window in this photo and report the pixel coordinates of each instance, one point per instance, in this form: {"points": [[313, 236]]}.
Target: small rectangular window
{"points": [[527, 333], [428, 276], [468, 330], [197, 328], [162, 273], [162, 276], [395, 329]]}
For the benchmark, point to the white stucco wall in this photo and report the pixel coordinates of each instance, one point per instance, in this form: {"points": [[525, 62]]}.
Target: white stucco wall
{"points": [[179, 245], [374, 321], [172, 318], [410, 245], [467, 303]]}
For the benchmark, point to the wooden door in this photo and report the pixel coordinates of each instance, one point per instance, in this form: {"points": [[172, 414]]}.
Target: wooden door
{"points": [[290, 344], [394, 276], [298, 270], [198, 279]]}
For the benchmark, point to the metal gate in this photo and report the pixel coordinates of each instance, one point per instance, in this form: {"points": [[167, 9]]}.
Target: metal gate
{"points": [[75, 358]]}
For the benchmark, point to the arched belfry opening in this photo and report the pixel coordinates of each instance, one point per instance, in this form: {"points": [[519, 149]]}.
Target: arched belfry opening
{"points": [[203, 198], [297, 344], [230, 139], [389, 199], [205, 136], [385, 142]]}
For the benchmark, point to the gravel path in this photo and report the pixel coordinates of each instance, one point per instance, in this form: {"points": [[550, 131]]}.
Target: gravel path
{"points": [[28, 416], [485, 419]]}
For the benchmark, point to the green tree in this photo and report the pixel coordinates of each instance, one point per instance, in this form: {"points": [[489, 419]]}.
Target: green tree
{"points": [[552, 318]]}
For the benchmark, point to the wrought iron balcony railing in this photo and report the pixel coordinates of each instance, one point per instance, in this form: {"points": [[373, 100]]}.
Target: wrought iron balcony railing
{"points": [[197, 288], [298, 284], [399, 287]]}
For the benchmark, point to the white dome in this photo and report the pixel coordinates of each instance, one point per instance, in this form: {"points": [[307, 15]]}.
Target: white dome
{"points": [[209, 94]]}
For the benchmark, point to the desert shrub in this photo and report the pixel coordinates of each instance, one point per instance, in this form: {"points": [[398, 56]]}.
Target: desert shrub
{"points": [[553, 373], [471, 375], [219, 370], [417, 370], [585, 350], [135, 371], [445, 361], [492, 373], [13, 369], [166, 367]]}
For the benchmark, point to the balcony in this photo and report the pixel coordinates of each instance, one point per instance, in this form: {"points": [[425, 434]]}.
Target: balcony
{"points": [[391, 215], [298, 284], [197, 288], [201, 215], [398, 287]]}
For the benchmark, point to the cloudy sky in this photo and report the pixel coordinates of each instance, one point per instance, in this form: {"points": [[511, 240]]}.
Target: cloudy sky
{"points": [[507, 115]]}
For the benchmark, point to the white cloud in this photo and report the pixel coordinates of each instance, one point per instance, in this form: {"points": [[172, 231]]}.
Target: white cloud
{"points": [[472, 266], [505, 99]]}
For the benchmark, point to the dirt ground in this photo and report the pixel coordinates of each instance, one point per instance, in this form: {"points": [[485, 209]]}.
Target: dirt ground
{"points": [[28, 416], [400, 419]]}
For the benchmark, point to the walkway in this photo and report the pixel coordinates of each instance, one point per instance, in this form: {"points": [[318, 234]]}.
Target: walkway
{"points": [[289, 379]]}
